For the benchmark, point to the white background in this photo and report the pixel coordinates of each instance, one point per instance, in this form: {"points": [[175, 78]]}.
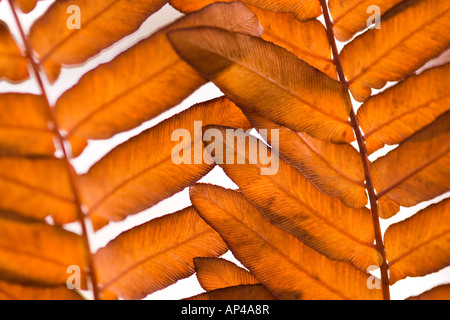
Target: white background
{"points": [[97, 149]]}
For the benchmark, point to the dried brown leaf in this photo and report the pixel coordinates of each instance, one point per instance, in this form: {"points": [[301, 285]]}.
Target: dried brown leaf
{"points": [[154, 79], [302, 9], [397, 113], [15, 291], [410, 36], [156, 254], [13, 65], [308, 40], [103, 23], [241, 292], [416, 171], [260, 75], [441, 292], [25, 6], [141, 172], [33, 252], [286, 266], [217, 273], [419, 245], [292, 203], [24, 128]]}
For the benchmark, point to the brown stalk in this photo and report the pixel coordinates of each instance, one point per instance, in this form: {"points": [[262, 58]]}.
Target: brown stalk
{"points": [[61, 147], [364, 155]]}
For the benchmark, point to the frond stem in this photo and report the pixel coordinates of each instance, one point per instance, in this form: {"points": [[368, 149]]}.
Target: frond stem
{"points": [[364, 155], [60, 146]]}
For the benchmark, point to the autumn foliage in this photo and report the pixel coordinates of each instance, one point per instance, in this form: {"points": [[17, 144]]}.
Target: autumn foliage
{"points": [[311, 230]]}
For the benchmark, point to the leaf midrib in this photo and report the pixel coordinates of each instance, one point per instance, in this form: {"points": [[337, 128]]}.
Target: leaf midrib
{"points": [[316, 214], [412, 173], [341, 174], [36, 189], [76, 31], [304, 102], [16, 250], [276, 249], [346, 12], [151, 256], [390, 49], [403, 114], [297, 48], [12, 55], [129, 179], [418, 246]]}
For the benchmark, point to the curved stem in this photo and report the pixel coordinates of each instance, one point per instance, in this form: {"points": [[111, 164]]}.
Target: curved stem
{"points": [[61, 147], [364, 155]]}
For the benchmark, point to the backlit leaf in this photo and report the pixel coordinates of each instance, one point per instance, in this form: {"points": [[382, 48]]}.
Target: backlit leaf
{"points": [[441, 292], [308, 40], [299, 221], [13, 65], [156, 254], [419, 245], [416, 171], [141, 172], [103, 22], [24, 128], [395, 114], [351, 16], [37, 188], [410, 35], [25, 5], [154, 79], [439, 61], [260, 75], [14, 291], [292, 203], [280, 261], [302, 9], [241, 292], [216, 273], [334, 169], [33, 252]]}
